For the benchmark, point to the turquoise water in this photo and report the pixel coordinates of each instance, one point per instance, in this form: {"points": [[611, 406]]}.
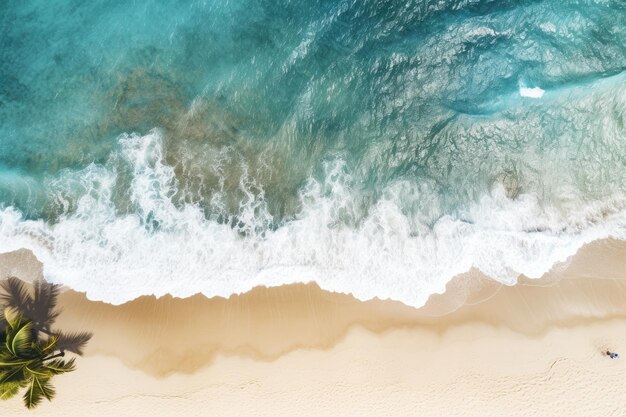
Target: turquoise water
{"points": [[376, 147]]}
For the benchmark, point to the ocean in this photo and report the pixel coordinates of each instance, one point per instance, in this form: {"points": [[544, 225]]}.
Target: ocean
{"points": [[378, 148]]}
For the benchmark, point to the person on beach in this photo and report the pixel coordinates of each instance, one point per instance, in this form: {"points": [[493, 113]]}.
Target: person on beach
{"points": [[612, 355]]}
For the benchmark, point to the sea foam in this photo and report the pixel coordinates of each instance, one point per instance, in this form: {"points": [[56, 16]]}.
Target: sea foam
{"points": [[534, 92], [165, 248]]}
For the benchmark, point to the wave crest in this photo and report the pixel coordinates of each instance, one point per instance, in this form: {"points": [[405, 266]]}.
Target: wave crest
{"points": [[386, 251]]}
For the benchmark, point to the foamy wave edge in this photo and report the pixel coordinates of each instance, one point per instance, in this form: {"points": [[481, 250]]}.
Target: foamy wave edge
{"points": [[389, 255]]}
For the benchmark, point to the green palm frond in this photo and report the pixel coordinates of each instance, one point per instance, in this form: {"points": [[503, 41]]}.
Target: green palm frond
{"points": [[39, 389], [15, 294], [20, 339], [9, 390], [12, 318], [38, 371], [48, 346], [59, 366], [8, 362], [15, 373]]}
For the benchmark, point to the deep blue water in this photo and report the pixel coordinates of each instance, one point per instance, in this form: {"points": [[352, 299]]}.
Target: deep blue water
{"points": [[377, 147]]}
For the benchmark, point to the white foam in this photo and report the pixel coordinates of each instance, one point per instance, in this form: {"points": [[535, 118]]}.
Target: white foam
{"points": [[534, 92], [387, 254]]}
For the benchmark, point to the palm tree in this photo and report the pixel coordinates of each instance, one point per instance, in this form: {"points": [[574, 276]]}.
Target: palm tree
{"points": [[30, 351], [28, 361]]}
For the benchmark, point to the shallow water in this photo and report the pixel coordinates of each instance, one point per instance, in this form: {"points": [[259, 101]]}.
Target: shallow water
{"points": [[376, 147]]}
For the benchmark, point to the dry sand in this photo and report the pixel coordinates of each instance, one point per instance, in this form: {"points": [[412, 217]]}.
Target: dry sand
{"points": [[481, 349]]}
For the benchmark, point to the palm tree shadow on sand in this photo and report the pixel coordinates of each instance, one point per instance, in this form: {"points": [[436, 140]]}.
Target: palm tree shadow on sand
{"points": [[31, 351]]}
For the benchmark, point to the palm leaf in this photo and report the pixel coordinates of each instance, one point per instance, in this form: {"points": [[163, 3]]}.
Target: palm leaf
{"points": [[14, 374], [15, 294], [59, 366], [20, 340], [73, 342], [9, 390], [4, 363], [48, 346], [39, 389], [12, 318], [46, 388], [39, 373]]}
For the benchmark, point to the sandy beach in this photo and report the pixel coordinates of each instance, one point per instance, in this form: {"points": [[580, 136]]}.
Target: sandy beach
{"points": [[534, 349]]}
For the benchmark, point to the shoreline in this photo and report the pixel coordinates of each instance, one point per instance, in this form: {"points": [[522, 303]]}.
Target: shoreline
{"points": [[261, 347]]}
